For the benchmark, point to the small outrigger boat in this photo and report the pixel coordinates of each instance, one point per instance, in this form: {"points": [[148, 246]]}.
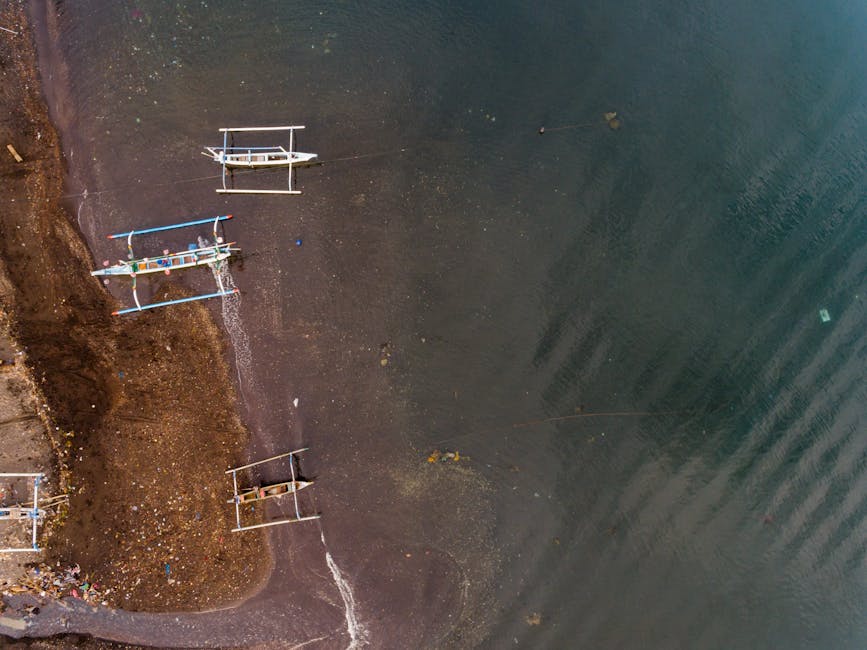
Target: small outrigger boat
{"points": [[260, 493], [231, 157], [195, 255]]}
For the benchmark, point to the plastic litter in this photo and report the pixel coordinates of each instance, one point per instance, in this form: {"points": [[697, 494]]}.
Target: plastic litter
{"points": [[824, 316]]}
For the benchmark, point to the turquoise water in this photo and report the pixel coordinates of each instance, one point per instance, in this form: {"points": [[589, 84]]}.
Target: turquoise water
{"points": [[675, 266]]}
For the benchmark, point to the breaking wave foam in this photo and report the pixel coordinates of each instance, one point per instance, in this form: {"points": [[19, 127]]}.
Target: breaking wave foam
{"points": [[357, 631], [231, 308]]}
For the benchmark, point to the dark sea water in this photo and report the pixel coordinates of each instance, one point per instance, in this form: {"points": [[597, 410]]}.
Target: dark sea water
{"points": [[674, 268]]}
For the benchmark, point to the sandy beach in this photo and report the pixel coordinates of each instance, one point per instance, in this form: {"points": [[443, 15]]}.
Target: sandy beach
{"points": [[141, 449]]}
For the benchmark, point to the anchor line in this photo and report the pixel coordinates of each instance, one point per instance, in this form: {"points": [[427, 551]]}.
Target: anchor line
{"points": [[239, 172], [560, 418]]}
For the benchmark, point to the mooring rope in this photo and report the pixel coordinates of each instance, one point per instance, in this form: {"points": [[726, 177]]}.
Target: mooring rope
{"points": [[87, 193], [560, 418], [610, 119]]}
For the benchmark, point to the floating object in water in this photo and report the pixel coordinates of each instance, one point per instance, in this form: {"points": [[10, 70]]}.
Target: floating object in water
{"points": [[611, 118], [824, 316], [541, 130]]}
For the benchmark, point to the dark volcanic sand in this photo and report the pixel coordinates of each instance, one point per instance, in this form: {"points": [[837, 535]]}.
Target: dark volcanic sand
{"points": [[144, 445], [409, 540]]}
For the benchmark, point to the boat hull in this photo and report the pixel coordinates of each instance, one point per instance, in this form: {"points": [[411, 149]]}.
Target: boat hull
{"points": [[163, 263], [266, 159], [250, 495]]}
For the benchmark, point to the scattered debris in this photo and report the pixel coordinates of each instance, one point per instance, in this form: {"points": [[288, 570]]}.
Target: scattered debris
{"points": [[14, 153], [824, 316], [445, 456], [613, 122], [534, 619], [46, 582]]}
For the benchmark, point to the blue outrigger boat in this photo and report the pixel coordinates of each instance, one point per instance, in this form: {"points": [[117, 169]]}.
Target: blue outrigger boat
{"points": [[195, 255]]}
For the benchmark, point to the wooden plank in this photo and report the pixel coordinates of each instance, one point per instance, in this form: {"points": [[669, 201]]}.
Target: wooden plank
{"points": [[12, 623], [14, 153]]}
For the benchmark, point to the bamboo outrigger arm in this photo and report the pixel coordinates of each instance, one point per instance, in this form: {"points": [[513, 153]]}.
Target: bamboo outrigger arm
{"points": [[296, 485]]}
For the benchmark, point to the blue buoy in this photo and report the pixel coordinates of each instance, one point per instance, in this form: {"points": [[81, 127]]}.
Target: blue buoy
{"points": [[298, 242]]}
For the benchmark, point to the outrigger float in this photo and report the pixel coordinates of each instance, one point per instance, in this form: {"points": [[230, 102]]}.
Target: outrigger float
{"points": [[255, 494], [196, 255], [232, 157]]}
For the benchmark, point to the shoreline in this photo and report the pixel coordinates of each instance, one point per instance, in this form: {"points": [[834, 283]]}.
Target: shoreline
{"points": [[417, 581], [110, 387]]}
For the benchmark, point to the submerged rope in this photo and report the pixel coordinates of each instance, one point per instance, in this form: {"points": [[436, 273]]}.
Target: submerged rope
{"points": [[560, 418], [240, 172]]}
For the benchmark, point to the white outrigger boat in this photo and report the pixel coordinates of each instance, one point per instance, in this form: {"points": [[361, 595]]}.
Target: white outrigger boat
{"points": [[231, 157], [195, 255], [258, 493]]}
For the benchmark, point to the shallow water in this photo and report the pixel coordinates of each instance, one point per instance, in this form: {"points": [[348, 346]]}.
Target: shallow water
{"points": [[675, 267]]}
